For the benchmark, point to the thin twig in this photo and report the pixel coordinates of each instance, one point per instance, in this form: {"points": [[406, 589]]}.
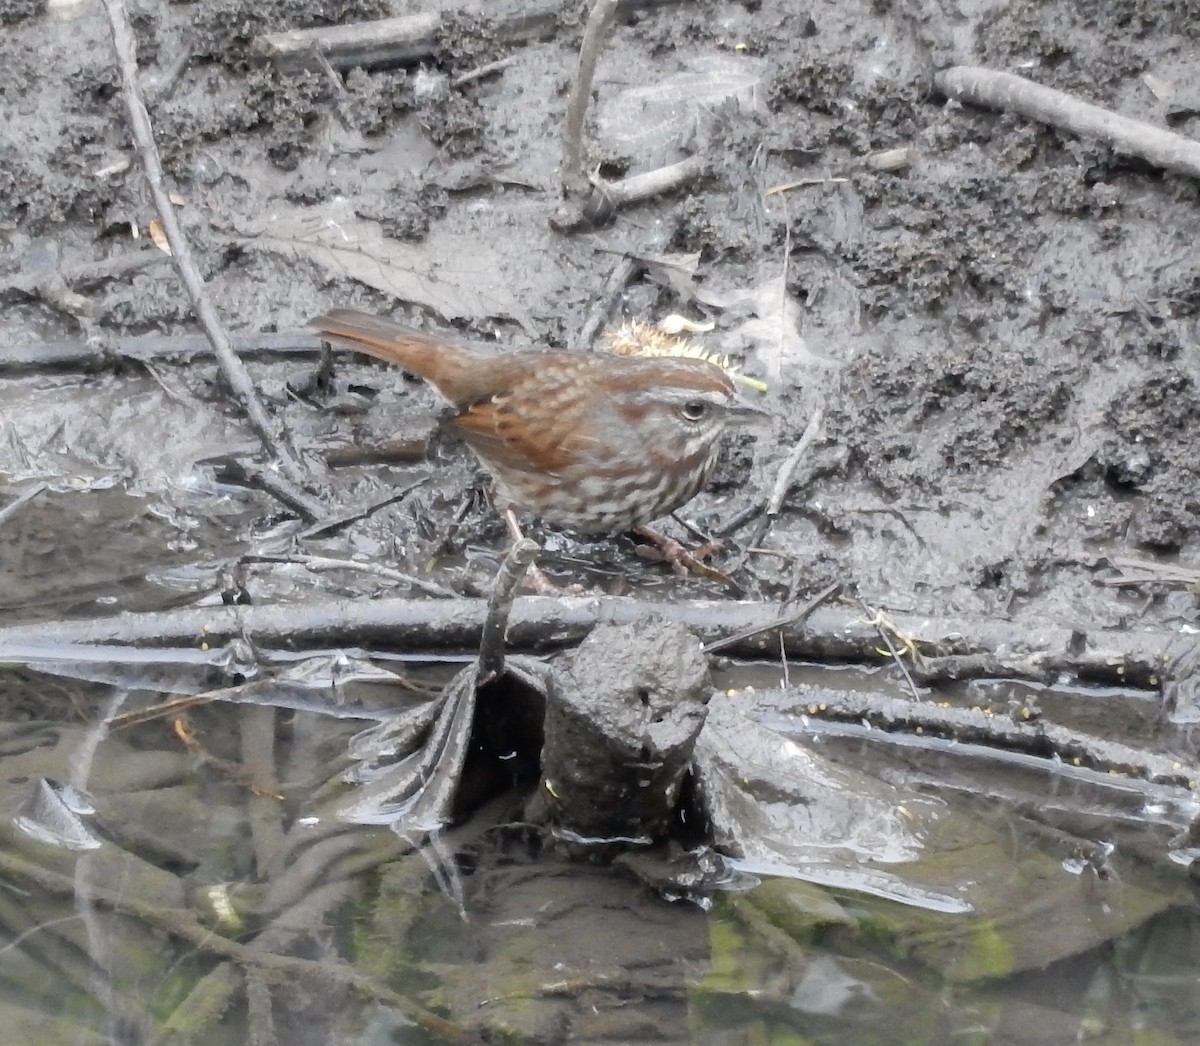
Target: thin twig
{"points": [[787, 473], [1004, 91], [885, 628], [184, 924], [337, 87], [480, 71], [504, 591], [232, 368], [574, 173], [783, 277], [322, 564], [163, 86], [264, 807], [1148, 572], [23, 499], [803, 183], [783, 481], [614, 287], [332, 524], [791, 620], [277, 485]]}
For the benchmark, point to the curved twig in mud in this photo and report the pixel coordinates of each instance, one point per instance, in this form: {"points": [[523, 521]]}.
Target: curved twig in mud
{"points": [[574, 164], [1007, 92], [481, 71], [269, 433], [504, 591], [787, 472], [606, 198], [998, 730], [1041, 652]]}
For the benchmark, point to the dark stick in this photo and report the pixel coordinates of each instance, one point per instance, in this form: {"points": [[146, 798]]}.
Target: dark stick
{"points": [[40, 282], [171, 348], [1040, 651], [1004, 91], [279, 487], [614, 287], [232, 367]]}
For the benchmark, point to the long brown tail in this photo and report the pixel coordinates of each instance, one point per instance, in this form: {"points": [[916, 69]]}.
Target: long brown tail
{"points": [[379, 337], [420, 353]]}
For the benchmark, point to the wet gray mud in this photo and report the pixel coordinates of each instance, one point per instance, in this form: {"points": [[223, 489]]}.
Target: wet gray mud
{"points": [[996, 322]]}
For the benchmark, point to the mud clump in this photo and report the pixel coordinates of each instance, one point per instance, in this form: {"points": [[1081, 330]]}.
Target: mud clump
{"points": [[944, 414], [622, 717], [1152, 454]]}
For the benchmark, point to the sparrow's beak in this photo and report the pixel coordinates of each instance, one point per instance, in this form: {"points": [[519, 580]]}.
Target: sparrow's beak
{"points": [[743, 413]]}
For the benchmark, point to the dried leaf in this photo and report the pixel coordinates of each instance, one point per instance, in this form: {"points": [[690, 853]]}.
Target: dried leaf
{"points": [[158, 236], [116, 167], [465, 176], [457, 277], [673, 270]]}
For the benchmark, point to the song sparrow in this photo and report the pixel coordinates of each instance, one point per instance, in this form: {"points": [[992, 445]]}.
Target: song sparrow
{"points": [[591, 441]]}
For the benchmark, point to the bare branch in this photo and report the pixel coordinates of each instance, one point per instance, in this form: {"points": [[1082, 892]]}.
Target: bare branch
{"points": [[270, 434], [998, 90], [574, 172]]}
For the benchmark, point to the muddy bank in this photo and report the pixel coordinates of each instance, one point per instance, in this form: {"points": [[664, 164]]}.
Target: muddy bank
{"points": [[999, 325]]}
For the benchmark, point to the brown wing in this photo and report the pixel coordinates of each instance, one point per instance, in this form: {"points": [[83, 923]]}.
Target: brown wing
{"points": [[535, 425]]}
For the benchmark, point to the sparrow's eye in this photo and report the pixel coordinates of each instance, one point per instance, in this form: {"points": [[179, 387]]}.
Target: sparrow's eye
{"points": [[693, 410]]}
